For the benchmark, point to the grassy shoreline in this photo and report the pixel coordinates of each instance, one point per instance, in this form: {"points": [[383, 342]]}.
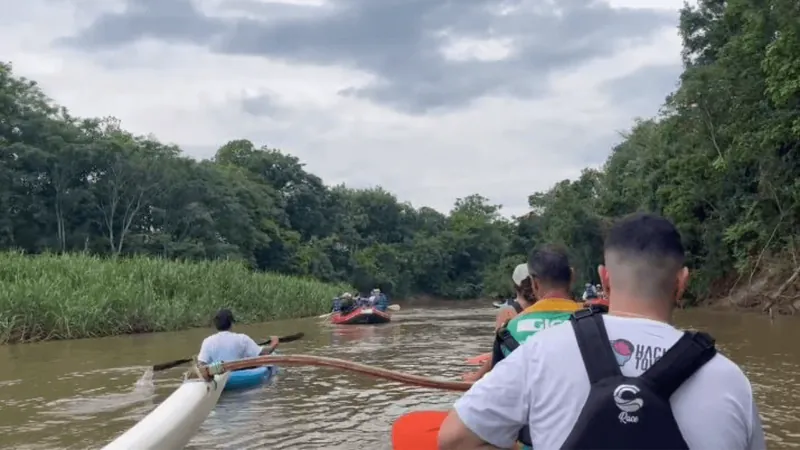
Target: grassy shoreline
{"points": [[51, 297]]}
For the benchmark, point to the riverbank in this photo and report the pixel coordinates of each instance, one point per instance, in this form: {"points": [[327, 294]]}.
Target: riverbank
{"points": [[73, 296]]}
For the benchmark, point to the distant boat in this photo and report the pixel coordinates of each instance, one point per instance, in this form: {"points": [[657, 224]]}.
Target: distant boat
{"points": [[361, 316]]}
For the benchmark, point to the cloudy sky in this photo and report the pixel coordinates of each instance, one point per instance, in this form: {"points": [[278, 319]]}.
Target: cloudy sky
{"points": [[432, 99]]}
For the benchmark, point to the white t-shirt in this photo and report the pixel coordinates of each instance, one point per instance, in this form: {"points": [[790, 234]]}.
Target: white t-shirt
{"points": [[227, 346], [544, 384]]}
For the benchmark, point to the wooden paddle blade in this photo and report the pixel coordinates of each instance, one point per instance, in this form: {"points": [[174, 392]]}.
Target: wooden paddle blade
{"points": [[480, 359], [291, 337], [418, 430], [393, 307], [283, 339], [171, 364]]}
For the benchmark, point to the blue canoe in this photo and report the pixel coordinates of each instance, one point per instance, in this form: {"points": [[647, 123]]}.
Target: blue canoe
{"points": [[248, 378]]}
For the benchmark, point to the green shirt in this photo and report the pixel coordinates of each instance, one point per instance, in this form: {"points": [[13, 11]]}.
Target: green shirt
{"points": [[545, 313]]}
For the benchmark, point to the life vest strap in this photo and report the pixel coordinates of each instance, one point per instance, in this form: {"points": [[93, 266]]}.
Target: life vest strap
{"points": [[593, 342]]}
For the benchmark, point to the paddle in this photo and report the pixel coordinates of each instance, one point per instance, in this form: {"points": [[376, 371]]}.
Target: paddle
{"points": [[208, 371], [388, 308], [180, 362], [418, 430]]}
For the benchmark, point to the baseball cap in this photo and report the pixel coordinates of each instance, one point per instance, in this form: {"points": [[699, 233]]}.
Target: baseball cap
{"points": [[519, 274]]}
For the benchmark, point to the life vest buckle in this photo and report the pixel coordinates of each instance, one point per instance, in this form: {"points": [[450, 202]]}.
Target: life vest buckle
{"points": [[583, 313]]}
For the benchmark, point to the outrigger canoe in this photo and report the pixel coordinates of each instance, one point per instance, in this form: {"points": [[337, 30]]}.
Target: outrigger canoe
{"points": [[361, 316], [173, 423]]}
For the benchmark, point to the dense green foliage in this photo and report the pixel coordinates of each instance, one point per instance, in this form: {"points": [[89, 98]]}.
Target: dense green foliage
{"points": [[721, 161], [77, 296]]}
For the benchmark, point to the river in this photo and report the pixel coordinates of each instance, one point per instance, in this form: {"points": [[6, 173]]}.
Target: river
{"points": [[81, 394]]}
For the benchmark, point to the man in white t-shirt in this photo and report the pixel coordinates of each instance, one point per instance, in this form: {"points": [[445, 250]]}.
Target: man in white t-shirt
{"points": [[226, 345], [544, 383]]}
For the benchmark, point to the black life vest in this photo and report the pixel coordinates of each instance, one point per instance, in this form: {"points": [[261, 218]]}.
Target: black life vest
{"points": [[503, 337], [631, 413]]}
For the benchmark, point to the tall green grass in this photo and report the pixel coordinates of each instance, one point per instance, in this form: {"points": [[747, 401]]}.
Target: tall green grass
{"points": [[77, 296]]}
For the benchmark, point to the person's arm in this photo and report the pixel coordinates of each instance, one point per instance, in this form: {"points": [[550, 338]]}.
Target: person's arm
{"points": [[273, 344], [204, 357], [477, 375], [454, 435], [491, 414], [252, 349], [505, 314], [757, 440]]}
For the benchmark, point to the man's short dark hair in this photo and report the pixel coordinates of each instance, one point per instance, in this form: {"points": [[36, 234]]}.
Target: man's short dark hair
{"points": [[648, 249], [645, 235], [550, 264], [223, 320]]}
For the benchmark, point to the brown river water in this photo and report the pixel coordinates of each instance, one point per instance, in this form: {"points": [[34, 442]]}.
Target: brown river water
{"points": [[81, 394]]}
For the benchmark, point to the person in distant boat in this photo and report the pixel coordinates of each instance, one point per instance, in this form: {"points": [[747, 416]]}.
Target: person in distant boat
{"points": [[597, 302], [226, 346], [525, 298], [626, 379], [589, 293], [378, 300], [372, 299], [344, 304]]}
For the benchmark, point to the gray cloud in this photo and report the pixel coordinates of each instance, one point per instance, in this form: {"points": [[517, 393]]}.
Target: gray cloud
{"points": [[396, 40], [260, 105], [644, 91], [169, 20]]}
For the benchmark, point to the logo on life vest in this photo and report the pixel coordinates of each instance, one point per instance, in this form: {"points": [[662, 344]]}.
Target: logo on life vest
{"points": [[625, 396]]}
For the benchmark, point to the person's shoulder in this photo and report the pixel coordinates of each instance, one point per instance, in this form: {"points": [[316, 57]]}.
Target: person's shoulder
{"points": [[553, 337], [209, 340], [720, 370], [717, 400]]}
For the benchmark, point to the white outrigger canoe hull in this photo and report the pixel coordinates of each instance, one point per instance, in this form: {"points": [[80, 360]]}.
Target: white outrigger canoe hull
{"points": [[176, 420]]}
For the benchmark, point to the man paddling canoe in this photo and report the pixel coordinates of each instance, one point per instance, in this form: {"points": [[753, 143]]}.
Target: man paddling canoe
{"points": [[344, 304], [524, 298], [643, 384], [594, 298], [226, 345]]}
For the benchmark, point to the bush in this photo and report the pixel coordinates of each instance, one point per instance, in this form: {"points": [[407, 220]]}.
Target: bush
{"points": [[73, 296]]}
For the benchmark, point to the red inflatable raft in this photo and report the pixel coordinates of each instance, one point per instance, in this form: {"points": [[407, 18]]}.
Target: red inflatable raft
{"points": [[361, 316]]}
